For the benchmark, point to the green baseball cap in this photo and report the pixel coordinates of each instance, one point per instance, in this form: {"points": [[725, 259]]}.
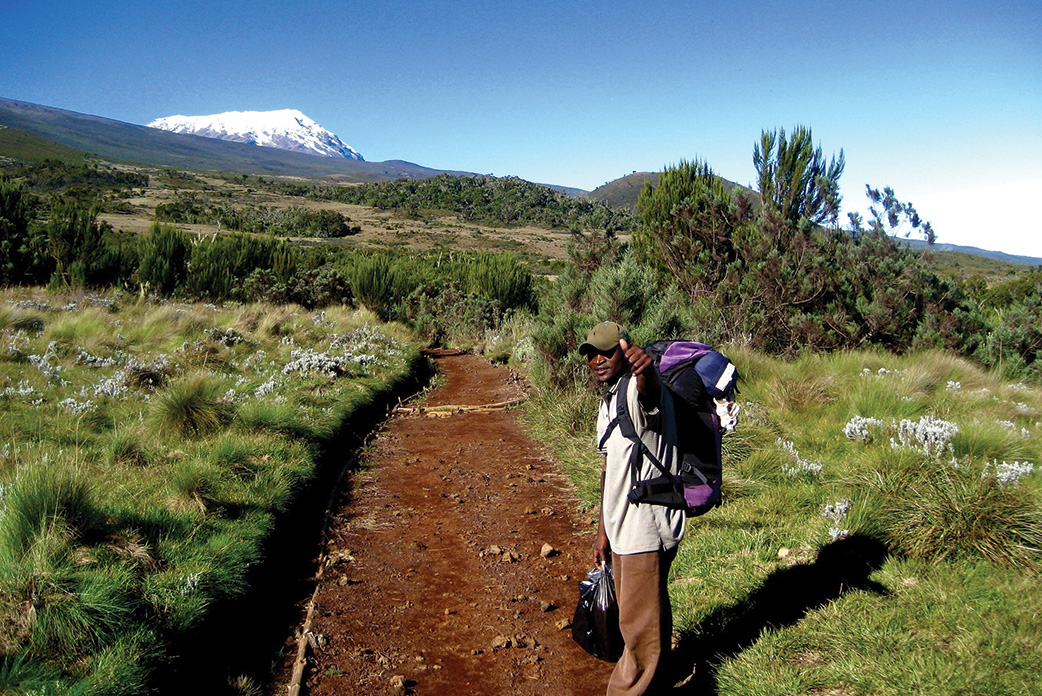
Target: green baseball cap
{"points": [[604, 336]]}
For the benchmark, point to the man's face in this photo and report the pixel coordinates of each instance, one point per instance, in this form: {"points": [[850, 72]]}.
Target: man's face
{"points": [[607, 365]]}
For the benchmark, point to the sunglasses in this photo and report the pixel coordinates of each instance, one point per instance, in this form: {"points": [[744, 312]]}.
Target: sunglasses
{"points": [[591, 354]]}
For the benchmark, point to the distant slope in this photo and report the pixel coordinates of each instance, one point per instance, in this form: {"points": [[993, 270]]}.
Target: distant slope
{"points": [[18, 144], [976, 251], [132, 143], [623, 192]]}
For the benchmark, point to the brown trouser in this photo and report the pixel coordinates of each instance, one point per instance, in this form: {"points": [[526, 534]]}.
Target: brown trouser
{"points": [[646, 620]]}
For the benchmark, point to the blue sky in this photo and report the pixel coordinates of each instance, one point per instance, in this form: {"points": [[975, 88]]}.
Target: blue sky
{"points": [[940, 100]]}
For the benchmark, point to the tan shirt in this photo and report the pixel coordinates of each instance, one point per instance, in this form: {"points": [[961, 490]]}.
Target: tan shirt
{"points": [[637, 528]]}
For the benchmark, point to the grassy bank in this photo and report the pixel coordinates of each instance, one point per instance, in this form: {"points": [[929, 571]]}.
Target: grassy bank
{"points": [[149, 450], [880, 532]]}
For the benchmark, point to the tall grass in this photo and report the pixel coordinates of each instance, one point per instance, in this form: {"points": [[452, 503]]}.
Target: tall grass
{"points": [[146, 455], [38, 499], [564, 420], [125, 448]]}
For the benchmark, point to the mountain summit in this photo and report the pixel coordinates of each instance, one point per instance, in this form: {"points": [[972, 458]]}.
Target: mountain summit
{"points": [[287, 129]]}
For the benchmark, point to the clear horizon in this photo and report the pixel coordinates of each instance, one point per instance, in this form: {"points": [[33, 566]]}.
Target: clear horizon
{"points": [[940, 101]]}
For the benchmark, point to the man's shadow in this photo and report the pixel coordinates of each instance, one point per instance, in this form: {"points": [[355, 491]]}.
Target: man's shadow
{"points": [[783, 599]]}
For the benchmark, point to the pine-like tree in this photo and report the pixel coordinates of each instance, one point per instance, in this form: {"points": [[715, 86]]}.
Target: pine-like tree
{"points": [[796, 184]]}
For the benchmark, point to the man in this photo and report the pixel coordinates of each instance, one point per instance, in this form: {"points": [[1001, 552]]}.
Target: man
{"points": [[638, 540]]}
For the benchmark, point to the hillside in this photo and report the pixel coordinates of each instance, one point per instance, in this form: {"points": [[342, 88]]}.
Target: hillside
{"points": [[23, 146], [127, 142], [991, 259]]}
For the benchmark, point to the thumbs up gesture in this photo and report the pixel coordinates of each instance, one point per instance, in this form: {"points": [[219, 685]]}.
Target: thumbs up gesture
{"points": [[638, 360], [642, 367]]}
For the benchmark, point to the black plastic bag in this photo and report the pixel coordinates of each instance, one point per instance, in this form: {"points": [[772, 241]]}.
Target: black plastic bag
{"points": [[595, 626]]}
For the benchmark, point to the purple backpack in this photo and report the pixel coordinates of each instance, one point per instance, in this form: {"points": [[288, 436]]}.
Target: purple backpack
{"points": [[702, 382]]}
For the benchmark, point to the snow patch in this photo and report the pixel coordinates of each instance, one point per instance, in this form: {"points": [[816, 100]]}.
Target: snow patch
{"points": [[285, 129]]}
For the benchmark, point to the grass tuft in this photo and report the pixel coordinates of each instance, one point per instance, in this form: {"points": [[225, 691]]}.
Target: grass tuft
{"points": [[124, 448], [39, 498], [936, 512], [192, 484], [191, 407]]}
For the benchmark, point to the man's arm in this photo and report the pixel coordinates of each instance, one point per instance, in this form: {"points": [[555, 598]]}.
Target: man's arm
{"points": [[601, 547], [644, 374]]}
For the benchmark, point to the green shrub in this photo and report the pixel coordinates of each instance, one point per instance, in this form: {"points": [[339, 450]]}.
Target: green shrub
{"points": [[164, 258], [782, 282], [376, 284], [501, 278], [220, 263], [622, 292], [1015, 341], [21, 250], [449, 315]]}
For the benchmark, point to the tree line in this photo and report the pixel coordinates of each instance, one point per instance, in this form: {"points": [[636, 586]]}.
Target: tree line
{"points": [[72, 248], [488, 199], [294, 221]]}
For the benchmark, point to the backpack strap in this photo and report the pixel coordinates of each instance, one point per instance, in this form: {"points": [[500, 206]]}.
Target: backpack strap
{"points": [[612, 424], [624, 422]]}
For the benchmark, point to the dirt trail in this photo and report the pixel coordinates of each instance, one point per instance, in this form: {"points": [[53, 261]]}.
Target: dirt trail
{"points": [[435, 571]]}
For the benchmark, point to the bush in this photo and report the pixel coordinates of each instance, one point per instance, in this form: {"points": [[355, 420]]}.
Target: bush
{"points": [[448, 315], [1015, 341], [294, 221], [616, 289], [622, 292], [784, 284], [75, 242], [164, 258], [219, 264], [20, 250], [376, 284], [501, 278]]}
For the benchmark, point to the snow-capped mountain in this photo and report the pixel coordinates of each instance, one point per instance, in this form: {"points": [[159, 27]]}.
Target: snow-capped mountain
{"points": [[287, 129]]}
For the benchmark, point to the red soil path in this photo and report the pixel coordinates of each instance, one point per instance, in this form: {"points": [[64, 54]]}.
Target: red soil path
{"points": [[435, 577]]}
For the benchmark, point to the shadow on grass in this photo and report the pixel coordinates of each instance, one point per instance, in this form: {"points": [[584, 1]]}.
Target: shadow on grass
{"points": [[782, 600]]}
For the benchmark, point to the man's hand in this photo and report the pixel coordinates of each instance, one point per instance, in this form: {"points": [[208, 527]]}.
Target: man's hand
{"points": [[638, 360], [642, 367]]}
